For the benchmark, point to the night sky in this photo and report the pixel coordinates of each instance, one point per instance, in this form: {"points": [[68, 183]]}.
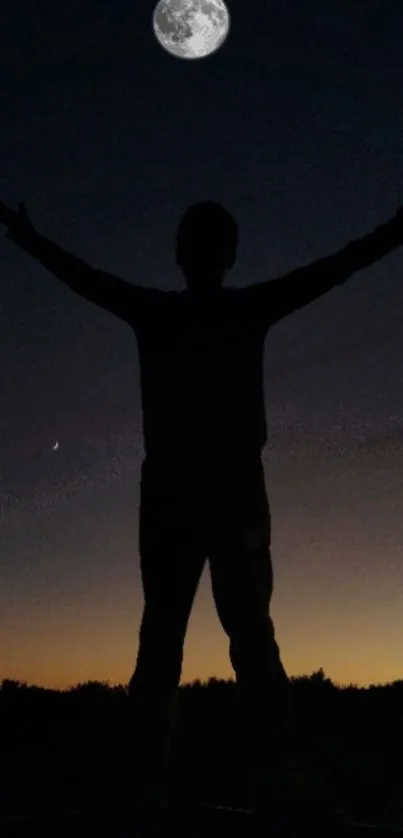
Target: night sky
{"points": [[296, 126]]}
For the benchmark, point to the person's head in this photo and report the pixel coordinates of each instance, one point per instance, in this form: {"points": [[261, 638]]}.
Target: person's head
{"points": [[206, 245]]}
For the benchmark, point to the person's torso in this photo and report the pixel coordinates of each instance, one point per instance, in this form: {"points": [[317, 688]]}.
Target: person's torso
{"points": [[201, 367]]}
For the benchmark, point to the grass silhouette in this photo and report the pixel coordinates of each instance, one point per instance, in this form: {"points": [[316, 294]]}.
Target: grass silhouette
{"points": [[63, 749]]}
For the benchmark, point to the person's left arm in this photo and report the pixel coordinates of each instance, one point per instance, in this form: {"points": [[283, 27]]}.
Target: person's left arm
{"points": [[286, 294]]}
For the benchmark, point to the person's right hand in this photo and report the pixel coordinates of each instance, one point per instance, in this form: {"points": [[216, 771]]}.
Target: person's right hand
{"points": [[12, 218]]}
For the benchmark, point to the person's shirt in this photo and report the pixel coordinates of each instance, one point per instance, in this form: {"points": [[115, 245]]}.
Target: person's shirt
{"points": [[201, 356]]}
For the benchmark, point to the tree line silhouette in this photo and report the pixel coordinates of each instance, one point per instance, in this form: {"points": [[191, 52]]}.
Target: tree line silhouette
{"points": [[70, 748]]}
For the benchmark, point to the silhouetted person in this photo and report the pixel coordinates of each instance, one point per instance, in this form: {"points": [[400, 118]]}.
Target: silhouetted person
{"points": [[202, 485]]}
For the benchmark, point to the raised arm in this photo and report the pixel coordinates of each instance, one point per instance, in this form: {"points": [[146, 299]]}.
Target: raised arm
{"points": [[102, 288], [290, 292]]}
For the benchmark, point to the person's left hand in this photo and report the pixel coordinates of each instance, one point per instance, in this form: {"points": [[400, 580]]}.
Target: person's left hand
{"points": [[12, 218]]}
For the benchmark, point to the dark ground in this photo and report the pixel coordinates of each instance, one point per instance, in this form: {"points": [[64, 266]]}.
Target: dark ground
{"points": [[62, 751]]}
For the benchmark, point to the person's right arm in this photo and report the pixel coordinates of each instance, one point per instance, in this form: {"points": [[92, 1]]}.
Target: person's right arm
{"points": [[276, 298], [100, 287]]}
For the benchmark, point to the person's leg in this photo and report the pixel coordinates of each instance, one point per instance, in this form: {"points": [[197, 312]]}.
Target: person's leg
{"points": [[242, 584], [171, 562]]}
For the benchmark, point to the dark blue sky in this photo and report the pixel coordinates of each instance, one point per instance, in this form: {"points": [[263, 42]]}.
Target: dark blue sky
{"points": [[296, 126]]}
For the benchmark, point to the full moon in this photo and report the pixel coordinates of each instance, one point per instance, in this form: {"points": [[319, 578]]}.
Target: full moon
{"points": [[191, 28]]}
